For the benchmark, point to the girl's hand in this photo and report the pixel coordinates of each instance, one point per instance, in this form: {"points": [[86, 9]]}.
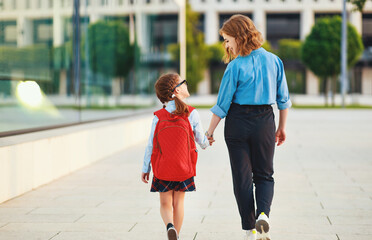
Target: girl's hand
{"points": [[145, 177], [280, 136]]}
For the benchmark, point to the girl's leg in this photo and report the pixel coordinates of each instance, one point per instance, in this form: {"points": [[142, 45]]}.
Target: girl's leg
{"points": [[166, 208], [178, 209]]}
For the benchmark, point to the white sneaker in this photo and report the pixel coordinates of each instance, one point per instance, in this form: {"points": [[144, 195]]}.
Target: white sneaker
{"points": [[263, 227], [250, 234]]}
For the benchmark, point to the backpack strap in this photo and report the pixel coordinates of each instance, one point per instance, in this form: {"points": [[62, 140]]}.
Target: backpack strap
{"points": [[190, 108], [162, 113]]}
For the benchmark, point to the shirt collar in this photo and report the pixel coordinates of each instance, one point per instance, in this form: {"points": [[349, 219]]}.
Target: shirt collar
{"points": [[253, 52], [171, 106]]}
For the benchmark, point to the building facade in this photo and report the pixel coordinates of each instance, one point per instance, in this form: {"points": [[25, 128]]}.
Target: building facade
{"points": [[44, 29]]}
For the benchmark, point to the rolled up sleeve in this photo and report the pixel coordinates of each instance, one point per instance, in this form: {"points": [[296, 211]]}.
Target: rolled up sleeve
{"points": [[226, 92], [282, 96]]}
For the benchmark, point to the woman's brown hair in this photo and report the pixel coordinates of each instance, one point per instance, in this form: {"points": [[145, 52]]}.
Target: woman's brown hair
{"points": [[247, 37], [163, 88]]}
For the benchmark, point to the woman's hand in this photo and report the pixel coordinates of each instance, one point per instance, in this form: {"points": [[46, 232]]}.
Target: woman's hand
{"points": [[211, 141], [280, 136], [145, 177]]}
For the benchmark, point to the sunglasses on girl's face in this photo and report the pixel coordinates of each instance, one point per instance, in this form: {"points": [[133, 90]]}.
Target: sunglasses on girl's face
{"points": [[184, 81]]}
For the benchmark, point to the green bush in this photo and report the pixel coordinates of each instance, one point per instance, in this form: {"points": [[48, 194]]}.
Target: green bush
{"points": [[215, 53], [289, 49], [267, 46]]}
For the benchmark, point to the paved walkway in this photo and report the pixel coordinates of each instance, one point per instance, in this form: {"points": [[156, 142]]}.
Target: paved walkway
{"points": [[323, 191]]}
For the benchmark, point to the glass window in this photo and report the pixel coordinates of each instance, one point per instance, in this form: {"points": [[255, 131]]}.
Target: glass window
{"points": [[282, 26], [43, 31], [48, 78], [8, 33], [367, 30]]}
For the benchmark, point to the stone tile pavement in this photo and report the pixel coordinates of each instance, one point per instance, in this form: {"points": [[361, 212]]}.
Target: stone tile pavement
{"points": [[323, 191]]}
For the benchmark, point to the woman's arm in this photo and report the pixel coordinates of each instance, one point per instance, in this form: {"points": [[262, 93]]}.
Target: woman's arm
{"points": [[215, 120], [280, 135]]}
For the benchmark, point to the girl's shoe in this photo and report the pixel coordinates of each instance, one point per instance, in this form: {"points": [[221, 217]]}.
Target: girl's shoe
{"points": [[250, 234], [263, 227], [172, 232]]}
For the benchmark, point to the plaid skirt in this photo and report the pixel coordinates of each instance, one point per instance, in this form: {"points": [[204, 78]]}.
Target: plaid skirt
{"points": [[164, 186]]}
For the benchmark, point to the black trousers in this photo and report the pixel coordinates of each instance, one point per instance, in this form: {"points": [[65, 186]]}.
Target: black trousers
{"points": [[250, 139]]}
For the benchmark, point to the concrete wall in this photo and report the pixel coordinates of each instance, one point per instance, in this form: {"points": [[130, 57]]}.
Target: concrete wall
{"points": [[30, 160]]}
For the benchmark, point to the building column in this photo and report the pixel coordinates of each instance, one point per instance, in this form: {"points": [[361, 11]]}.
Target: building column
{"points": [[57, 24], [355, 18], [312, 83], [204, 87], [211, 27], [307, 22], [141, 31], [367, 81], [259, 19], [24, 31]]}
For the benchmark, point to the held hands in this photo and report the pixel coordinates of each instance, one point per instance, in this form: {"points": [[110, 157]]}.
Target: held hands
{"points": [[145, 177], [280, 136], [211, 141], [210, 138]]}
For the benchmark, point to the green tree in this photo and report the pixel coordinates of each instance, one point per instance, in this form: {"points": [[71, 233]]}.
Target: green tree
{"points": [[321, 51], [358, 4], [196, 50], [110, 51]]}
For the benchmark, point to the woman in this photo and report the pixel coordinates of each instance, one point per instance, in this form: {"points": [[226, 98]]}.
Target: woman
{"points": [[253, 81]]}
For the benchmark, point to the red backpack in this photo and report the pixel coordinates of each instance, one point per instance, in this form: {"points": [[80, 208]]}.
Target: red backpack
{"points": [[174, 152]]}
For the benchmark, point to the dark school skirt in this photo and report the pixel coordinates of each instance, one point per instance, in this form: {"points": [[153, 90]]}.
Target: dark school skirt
{"points": [[164, 186]]}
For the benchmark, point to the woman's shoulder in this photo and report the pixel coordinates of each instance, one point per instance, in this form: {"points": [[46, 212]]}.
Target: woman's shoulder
{"points": [[270, 55]]}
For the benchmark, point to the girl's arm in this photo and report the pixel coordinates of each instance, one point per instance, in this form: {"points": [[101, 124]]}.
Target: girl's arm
{"points": [[197, 128], [146, 168]]}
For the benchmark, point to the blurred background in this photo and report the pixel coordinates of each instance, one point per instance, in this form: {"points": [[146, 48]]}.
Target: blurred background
{"points": [[65, 62]]}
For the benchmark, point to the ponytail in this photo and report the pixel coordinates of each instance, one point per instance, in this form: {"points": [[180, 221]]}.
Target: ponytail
{"points": [[181, 107]]}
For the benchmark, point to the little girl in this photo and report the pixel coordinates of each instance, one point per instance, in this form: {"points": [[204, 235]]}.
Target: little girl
{"points": [[172, 151]]}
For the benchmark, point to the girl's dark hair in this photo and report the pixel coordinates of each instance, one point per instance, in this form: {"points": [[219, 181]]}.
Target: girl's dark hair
{"points": [[163, 89]]}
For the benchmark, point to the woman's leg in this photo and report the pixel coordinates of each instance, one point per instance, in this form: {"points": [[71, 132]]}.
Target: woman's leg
{"points": [[166, 206], [242, 180], [241, 167], [263, 147], [178, 209]]}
